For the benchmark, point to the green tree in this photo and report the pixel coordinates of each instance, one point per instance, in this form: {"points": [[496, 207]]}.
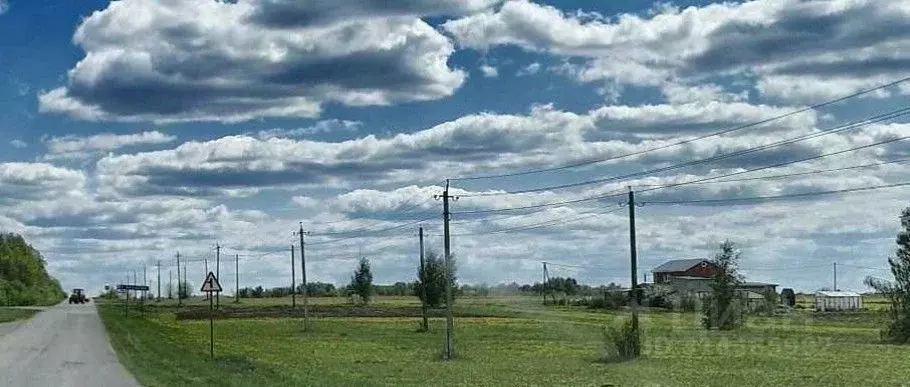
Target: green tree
{"points": [[722, 309], [432, 280], [184, 290], [898, 291], [362, 281], [23, 277]]}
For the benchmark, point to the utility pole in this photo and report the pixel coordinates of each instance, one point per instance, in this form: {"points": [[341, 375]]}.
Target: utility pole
{"points": [[835, 276], [158, 264], [205, 260], [450, 324], [306, 303], [293, 280], [543, 288], [423, 285], [634, 264], [237, 278], [170, 284], [217, 273], [186, 285], [179, 286], [145, 282]]}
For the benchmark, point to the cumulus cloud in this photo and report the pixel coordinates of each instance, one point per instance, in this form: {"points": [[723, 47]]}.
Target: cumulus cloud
{"points": [[325, 126], [76, 147], [217, 63], [25, 181], [489, 71], [4, 6], [829, 42], [291, 13], [471, 144], [18, 144], [530, 69]]}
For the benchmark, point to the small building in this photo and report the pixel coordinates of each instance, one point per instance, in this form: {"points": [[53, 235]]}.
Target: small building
{"points": [[699, 267], [691, 287], [838, 301], [758, 287]]}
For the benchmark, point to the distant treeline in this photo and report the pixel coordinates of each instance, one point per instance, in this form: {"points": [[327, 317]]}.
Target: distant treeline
{"points": [[556, 285], [23, 277]]}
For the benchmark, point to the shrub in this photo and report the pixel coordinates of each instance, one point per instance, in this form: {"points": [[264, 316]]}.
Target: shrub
{"points": [[687, 304], [658, 301], [621, 344]]}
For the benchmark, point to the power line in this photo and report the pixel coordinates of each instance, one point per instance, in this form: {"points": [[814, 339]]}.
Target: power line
{"points": [[777, 165], [365, 232], [609, 194], [787, 196], [689, 182], [714, 134], [549, 223], [853, 125], [813, 172]]}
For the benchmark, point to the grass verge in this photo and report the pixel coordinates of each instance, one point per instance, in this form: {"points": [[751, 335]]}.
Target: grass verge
{"points": [[541, 346], [11, 314]]}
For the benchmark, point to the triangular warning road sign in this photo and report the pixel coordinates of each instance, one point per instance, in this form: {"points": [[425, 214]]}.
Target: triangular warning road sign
{"points": [[211, 284]]}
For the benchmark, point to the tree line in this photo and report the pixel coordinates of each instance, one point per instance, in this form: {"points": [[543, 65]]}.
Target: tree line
{"points": [[23, 276]]}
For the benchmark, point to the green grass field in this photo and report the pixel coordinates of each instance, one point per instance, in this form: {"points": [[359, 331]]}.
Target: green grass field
{"points": [[11, 314], [540, 346]]}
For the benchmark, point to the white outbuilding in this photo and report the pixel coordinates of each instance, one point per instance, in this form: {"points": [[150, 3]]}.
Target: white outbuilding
{"points": [[837, 301]]}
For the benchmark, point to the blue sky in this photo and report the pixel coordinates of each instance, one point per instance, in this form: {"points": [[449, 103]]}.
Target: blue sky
{"points": [[136, 129]]}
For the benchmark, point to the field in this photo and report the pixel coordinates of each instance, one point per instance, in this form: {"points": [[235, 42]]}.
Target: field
{"points": [[13, 314], [527, 344]]}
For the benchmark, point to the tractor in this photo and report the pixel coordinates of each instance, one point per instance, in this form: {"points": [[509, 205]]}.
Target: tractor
{"points": [[78, 297]]}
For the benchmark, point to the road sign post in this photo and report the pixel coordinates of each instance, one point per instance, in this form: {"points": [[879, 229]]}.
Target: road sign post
{"points": [[211, 285], [126, 288]]}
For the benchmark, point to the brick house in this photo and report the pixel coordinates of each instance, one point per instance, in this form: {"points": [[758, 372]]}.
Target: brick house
{"points": [[698, 267]]}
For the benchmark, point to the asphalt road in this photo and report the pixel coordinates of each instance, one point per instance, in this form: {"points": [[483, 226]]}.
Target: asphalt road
{"points": [[65, 345]]}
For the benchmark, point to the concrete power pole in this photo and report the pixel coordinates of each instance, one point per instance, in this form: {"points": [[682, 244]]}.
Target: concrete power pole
{"points": [[237, 278], [423, 285], [217, 273], [835, 277], [205, 261], [449, 350], [546, 280], [634, 264], [306, 302], [179, 285], [293, 280], [158, 264]]}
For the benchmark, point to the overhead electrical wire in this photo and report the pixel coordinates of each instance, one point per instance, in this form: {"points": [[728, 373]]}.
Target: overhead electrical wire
{"points": [[806, 173], [693, 139], [365, 232], [853, 125], [609, 195], [549, 223], [778, 165], [785, 196]]}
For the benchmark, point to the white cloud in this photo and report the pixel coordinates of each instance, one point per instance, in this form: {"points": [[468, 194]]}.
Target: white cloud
{"points": [[489, 71], [21, 181], [530, 69], [19, 144], [325, 126], [76, 147], [291, 13], [4, 6], [827, 43], [216, 63]]}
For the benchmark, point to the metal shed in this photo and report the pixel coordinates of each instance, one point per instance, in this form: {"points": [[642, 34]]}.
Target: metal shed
{"points": [[837, 301]]}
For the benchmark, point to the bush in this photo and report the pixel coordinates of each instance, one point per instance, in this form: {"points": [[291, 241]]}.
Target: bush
{"points": [[687, 304], [658, 301], [621, 344], [723, 315]]}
